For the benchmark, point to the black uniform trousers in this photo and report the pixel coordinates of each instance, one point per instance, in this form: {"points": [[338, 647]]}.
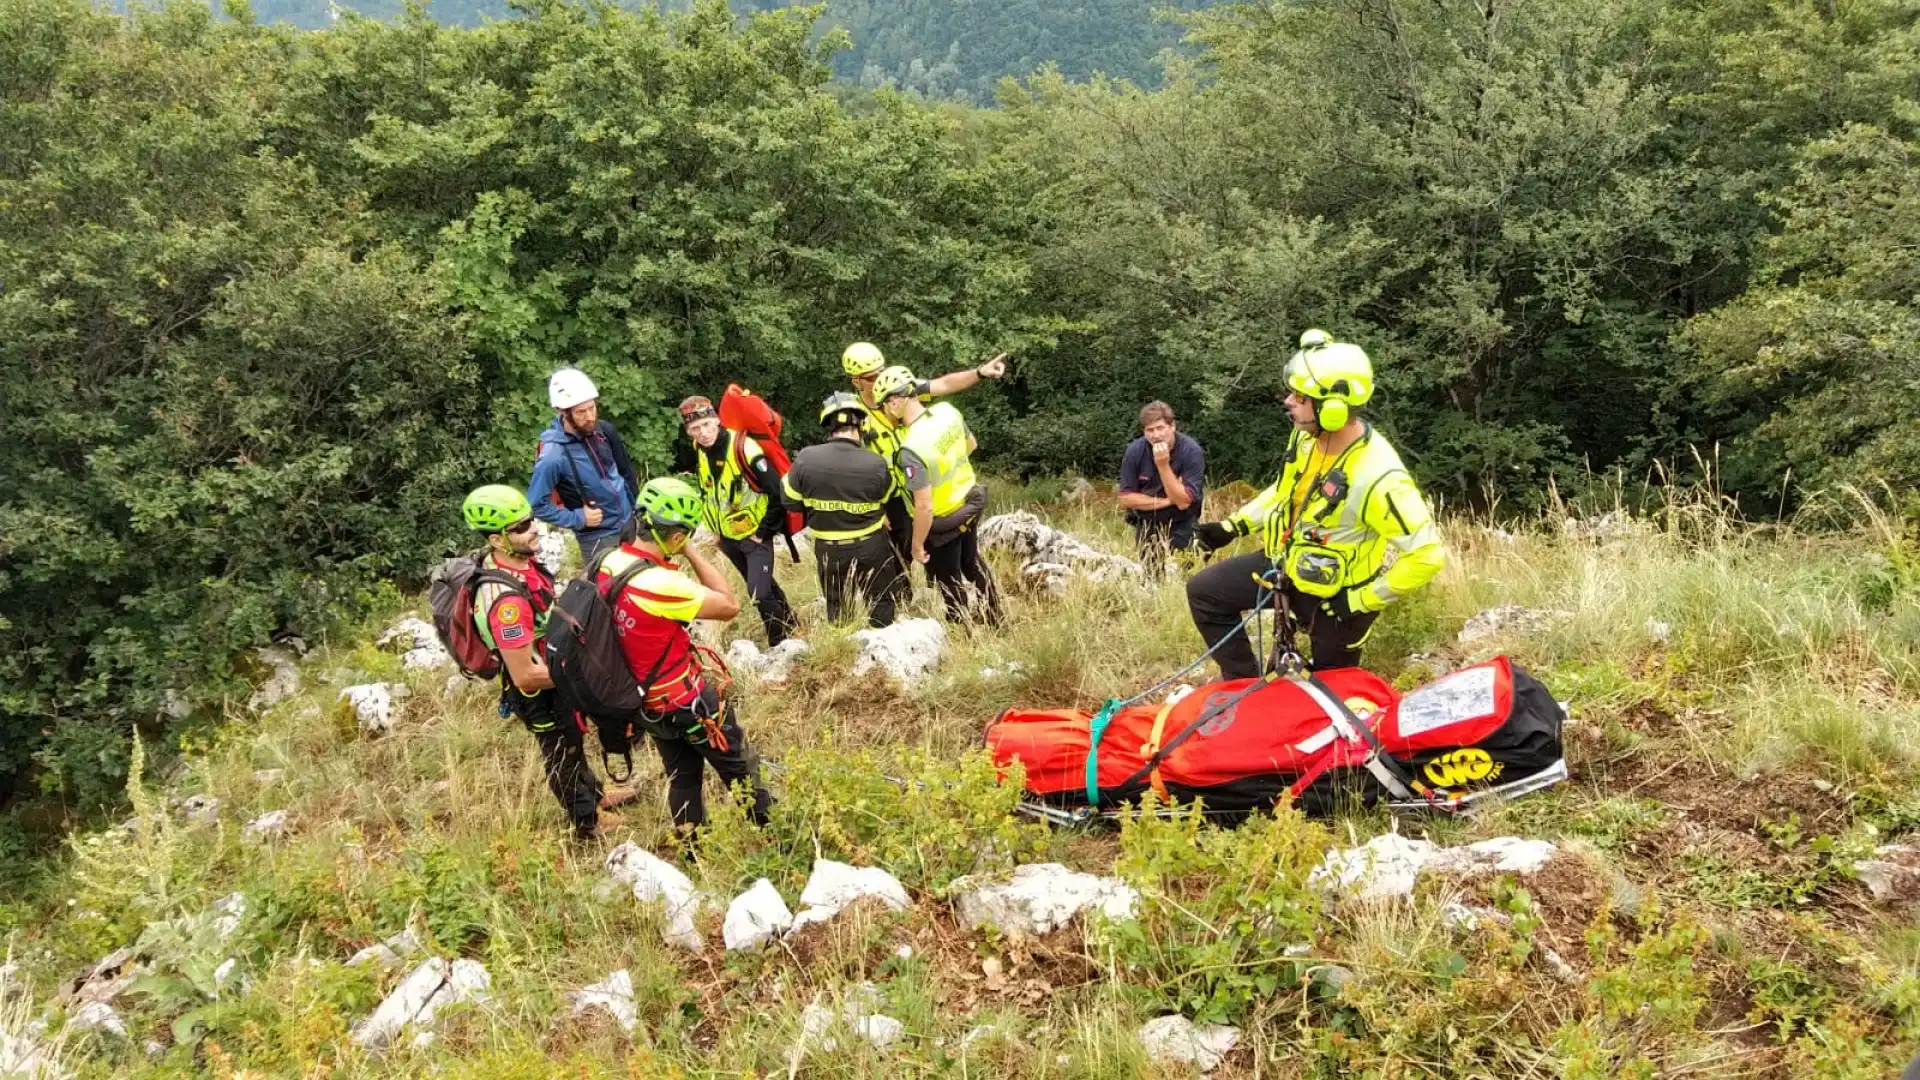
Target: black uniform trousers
{"points": [[1157, 532], [900, 529], [755, 563], [1219, 596], [866, 568], [563, 751], [684, 759], [954, 566]]}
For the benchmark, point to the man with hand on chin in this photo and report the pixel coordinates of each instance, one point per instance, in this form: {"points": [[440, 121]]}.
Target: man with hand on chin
{"points": [[1162, 477]]}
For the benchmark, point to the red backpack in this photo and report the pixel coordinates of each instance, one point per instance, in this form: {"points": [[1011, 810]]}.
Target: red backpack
{"points": [[744, 411], [451, 594]]}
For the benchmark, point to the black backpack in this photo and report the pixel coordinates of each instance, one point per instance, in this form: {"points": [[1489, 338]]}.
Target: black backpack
{"points": [[590, 669]]}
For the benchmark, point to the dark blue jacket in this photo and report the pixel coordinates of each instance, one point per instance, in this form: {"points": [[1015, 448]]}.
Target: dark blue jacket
{"points": [[580, 469]]}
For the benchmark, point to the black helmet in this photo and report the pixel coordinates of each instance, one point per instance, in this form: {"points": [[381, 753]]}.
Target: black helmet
{"points": [[842, 410]]}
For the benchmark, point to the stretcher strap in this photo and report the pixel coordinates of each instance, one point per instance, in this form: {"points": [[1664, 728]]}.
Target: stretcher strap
{"points": [[1354, 729], [1151, 750], [1096, 730]]}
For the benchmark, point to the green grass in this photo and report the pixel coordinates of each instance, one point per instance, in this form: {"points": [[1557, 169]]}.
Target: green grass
{"points": [[1726, 771]]}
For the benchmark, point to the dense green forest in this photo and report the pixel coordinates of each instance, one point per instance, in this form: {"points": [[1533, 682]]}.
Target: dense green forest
{"points": [[270, 299]]}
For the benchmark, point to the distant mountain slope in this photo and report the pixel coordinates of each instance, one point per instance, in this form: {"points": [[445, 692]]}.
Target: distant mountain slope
{"points": [[961, 48]]}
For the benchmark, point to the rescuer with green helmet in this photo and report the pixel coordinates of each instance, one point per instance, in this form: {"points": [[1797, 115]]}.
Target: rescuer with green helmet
{"points": [[1342, 501], [690, 721], [510, 606]]}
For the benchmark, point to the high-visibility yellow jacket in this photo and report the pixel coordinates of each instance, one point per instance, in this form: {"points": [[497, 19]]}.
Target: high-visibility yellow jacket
{"points": [[939, 438], [1329, 523], [734, 508]]}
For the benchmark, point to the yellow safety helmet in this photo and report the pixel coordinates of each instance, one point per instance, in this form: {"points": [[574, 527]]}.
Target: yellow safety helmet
{"points": [[1335, 375], [894, 382], [862, 358]]}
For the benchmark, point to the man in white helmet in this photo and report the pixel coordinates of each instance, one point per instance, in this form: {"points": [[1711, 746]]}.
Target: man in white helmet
{"points": [[1343, 500], [583, 479]]}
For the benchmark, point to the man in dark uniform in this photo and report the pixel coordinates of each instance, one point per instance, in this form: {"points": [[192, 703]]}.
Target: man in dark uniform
{"points": [[845, 487]]}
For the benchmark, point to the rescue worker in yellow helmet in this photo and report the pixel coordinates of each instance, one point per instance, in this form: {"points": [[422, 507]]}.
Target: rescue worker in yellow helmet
{"points": [[1342, 500], [935, 462], [845, 488], [863, 362], [744, 507]]}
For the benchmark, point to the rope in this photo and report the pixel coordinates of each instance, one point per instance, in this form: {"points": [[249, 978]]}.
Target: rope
{"points": [[1097, 726]]}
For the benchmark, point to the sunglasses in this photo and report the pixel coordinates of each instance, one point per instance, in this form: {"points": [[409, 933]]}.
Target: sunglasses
{"points": [[865, 379], [523, 525]]}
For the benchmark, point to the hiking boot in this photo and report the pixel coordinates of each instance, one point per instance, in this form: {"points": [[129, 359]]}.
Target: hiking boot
{"points": [[616, 796]]}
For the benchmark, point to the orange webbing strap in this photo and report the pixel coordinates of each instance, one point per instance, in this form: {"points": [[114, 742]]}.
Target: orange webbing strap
{"points": [[1151, 749]]}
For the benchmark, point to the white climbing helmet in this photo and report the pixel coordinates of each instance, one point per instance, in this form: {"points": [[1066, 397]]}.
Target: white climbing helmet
{"points": [[570, 387]]}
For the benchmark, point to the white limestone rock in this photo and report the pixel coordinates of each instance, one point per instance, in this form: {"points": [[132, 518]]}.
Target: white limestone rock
{"points": [[282, 682], [408, 634], [755, 916], [1078, 488], [1176, 1040], [1507, 618], [429, 988], [654, 880], [773, 666], [1388, 866], [228, 912], [906, 650], [267, 828], [1614, 525], [612, 995], [402, 1005], [857, 1015], [1041, 898], [1383, 868], [553, 549], [835, 885], [1892, 875], [98, 1016], [390, 952], [23, 1056], [1038, 545], [200, 809], [372, 705], [1501, 855]]}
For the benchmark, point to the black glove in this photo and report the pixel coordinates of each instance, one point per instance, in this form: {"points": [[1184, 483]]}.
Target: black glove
{"points": [[695, 733], [1342, 605], [1213, 535]]}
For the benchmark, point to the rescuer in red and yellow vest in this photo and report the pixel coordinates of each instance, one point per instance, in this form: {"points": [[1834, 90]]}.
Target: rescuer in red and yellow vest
{"points": [[1342, 501]]}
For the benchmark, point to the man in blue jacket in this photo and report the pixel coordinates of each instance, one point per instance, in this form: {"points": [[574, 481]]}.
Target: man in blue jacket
{"points": [[583, 479]]}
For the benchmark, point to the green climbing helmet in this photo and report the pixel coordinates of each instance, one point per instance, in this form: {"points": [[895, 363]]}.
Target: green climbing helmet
{"points": [[671, 503], [895, 381], [492, 508]]}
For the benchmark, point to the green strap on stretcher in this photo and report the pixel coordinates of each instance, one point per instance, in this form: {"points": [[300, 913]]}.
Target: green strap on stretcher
{"points": [[1096, 729]]}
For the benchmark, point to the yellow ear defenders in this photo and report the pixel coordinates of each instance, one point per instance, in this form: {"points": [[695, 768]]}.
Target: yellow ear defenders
{"points": [[1331, 413]]}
